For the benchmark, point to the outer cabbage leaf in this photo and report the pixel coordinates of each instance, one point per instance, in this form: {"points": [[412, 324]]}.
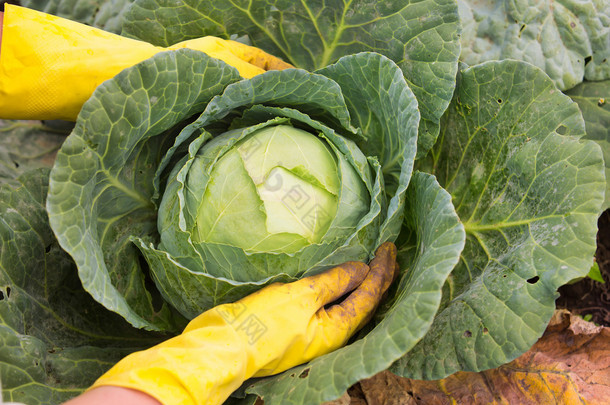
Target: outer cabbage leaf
{"points": [[420, 36], [105, 170], [528, 192], [593, 98], [104, 14], [432, 240], [568, 39], [192, 292], [389, 120], [55, 340]]}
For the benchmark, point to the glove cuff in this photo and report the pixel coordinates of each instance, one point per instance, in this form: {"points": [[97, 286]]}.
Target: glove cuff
{"points": [[200, 366], [50, 66]]}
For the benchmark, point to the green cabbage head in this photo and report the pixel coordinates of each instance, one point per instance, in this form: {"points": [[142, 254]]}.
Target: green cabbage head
{"points": [[184, 186], [275, 190]]}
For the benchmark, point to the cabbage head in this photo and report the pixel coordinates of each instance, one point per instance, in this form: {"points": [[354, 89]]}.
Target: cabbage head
{"points": [[275, 190], [184, 186]]}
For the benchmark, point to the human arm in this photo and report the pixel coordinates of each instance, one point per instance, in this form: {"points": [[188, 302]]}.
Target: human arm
{"points": [[113, 395], [272, 330]]}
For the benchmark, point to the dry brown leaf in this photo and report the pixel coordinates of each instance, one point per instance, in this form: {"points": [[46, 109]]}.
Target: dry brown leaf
{"points": [[570, 364]]}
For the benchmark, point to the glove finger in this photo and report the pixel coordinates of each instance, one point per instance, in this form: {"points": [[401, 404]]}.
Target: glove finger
{"points": [[359, 306], [332, 284], [257, 57]]}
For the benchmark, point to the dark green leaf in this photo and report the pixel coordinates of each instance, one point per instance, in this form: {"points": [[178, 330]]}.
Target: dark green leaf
{"points": [[193, 292], [110, 192], [55, 340], [26, 145]]}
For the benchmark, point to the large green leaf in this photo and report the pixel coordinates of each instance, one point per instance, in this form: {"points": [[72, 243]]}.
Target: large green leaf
{"points": [[105, 14], [420, 36], [102, 182], [593, 98], [55, 340], [431, 244], [568, 39], [528, 192]]}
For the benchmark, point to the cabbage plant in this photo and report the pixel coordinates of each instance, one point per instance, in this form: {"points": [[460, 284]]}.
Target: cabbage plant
{"points": [[278, 178], [183, 186], [291, 172]]}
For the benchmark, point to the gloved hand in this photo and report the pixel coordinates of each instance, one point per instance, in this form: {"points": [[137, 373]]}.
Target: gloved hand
{"points": [[49, 66], [272, 330]]}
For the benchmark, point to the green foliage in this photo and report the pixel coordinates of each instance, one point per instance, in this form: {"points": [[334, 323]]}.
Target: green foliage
{"points": [[568, 39], [55, 340], [528, 192], [26, 145], [596, 274], [502, 212], [593, 98]]}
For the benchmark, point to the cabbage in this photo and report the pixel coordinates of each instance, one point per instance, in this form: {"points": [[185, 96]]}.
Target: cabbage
{"points": [[275, 190], [500, 212]]}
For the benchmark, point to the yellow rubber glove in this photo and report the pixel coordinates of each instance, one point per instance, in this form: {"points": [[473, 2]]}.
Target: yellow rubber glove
{"points": [[50, 66], [272, 330]]}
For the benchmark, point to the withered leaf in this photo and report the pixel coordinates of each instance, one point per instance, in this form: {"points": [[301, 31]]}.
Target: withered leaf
{"points": [[570, 364]]}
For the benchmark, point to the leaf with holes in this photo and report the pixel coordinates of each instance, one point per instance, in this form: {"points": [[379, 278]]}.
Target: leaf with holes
{"points": [[528, 191], [26, 145]]}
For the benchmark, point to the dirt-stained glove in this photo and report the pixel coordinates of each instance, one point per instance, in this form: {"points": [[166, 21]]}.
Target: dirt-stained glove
{"points": [[272, 330], [49, 66]]}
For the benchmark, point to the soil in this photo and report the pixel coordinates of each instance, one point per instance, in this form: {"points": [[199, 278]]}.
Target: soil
{"points": [[589, 298]]}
